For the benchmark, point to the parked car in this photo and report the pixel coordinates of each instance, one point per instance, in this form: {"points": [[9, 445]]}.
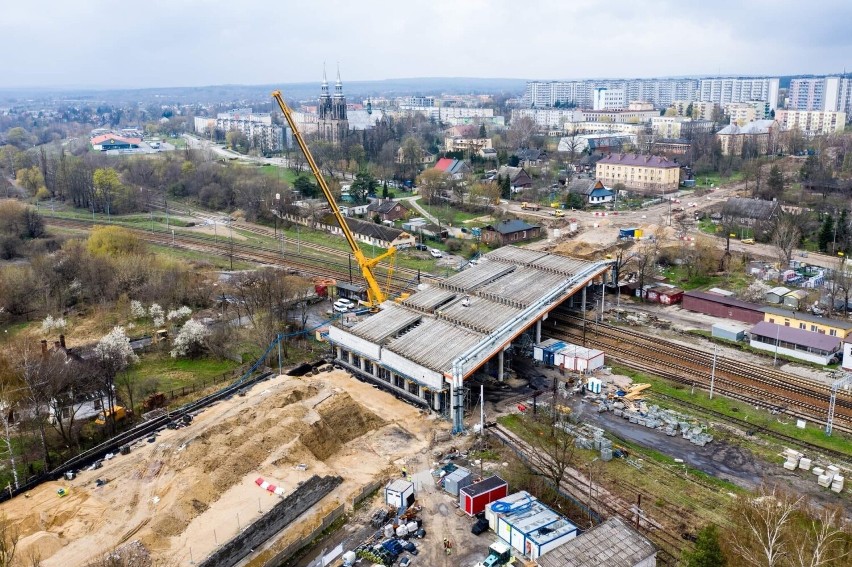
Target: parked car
{"points": [[405, 562], [421, 247], [436, 253], [343, 305], [410, 548]]}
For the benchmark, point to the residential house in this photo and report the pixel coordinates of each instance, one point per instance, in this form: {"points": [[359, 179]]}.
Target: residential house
{"points": [[388, 210], [757, 214], [650, 174], [613, 543], [593, 191], [519, 179], [424, 159], [530, 156], [509, 232], [761, 136], [456, 168], [488, 153], [460, 144]]}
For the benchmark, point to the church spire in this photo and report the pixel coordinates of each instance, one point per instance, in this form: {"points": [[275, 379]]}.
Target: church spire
{"points": [[324, 86], [338, 86]]}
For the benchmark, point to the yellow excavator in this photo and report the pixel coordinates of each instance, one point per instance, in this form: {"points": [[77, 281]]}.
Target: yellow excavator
{"points": [[375, 294]]}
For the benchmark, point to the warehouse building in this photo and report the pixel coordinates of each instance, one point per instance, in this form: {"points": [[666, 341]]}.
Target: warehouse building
{"points": [[722, 306], [426, 346], [796, 343]]}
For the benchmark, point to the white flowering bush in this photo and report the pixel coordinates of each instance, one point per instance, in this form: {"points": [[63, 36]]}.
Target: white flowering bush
{"points": [[137, 310], [178, 314], [114, 349], [157, 315], [50, 324], [190, 339]]}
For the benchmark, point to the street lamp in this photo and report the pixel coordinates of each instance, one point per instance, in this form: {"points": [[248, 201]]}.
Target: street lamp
{"points": [[277, 208]]}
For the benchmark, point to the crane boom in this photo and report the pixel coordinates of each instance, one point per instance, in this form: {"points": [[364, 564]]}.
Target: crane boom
{"points": [[375, 294]]}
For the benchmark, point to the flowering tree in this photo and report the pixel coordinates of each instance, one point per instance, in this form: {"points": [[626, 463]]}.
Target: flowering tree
{"points": [[50, 323], [113, 354], [177, 315], [157, 315], [137, 310], [190, 340]]}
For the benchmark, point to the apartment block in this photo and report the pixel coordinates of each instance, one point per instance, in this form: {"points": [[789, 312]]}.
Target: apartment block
{"points": [[651, 174], [832, 94], [741, 113], [812, 122]]}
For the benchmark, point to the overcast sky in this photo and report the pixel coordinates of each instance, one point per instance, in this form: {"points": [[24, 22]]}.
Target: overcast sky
{"points": [[160, 43]]}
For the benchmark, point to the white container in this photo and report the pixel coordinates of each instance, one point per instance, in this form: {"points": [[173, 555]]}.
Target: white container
{"points": [[837, 484], [825, 480], [832, 469], [791, 465], [805, 464], [818, 471], [349, 558], [401, 531], [389, 531], [411, 527]]}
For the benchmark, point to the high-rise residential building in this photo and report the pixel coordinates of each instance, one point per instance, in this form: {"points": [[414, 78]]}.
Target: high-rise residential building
{"points": [[662, 93], [831, 94]]}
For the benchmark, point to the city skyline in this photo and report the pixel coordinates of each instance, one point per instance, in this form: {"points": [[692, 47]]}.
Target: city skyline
{"points": [[199, 44]]}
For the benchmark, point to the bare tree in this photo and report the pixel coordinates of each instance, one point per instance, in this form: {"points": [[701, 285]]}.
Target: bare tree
{"points": [[785, 237], [820, 540], [9, 537], [759, 528], [552, 442]]}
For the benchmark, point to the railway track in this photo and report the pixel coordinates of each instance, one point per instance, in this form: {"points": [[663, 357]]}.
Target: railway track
{"points": [[769, 388], [335, 267], [666, 526]]}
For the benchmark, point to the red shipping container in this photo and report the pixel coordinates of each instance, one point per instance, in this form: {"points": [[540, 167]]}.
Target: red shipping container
{"points": [[473, 498]]}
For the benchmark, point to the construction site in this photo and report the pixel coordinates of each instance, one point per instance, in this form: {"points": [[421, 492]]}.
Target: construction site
{"points": [[313, 443], [424, 347]]}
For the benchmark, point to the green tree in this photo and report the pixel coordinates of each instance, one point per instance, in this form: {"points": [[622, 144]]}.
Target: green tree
{"points": [[107, 186], [843, 231], [482, 132], [689, 110], [364, 184], [304, 186], [775, 181], [707, 552], [30, 179], [826, 232], [19, 138], [385, 191]]}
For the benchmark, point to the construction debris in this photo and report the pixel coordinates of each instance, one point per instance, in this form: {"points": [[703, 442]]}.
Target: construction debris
{"points": [[828, 477]]}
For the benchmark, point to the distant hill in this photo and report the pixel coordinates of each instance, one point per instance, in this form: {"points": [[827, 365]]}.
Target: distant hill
{"points": [[292, 91]]}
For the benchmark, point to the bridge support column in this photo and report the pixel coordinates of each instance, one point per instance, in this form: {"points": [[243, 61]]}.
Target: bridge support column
{"points": [[500, 366]]}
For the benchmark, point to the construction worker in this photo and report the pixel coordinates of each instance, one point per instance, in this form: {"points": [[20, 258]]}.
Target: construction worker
{"points": [[404, 472]]}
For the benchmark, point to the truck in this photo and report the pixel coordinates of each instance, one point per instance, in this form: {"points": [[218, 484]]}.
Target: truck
{"points": [[529, 206], [558, 213], [498, 554], [119, 412]]}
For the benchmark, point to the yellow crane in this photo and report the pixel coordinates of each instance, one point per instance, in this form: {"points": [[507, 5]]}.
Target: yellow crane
{"points": [[375, 294]]}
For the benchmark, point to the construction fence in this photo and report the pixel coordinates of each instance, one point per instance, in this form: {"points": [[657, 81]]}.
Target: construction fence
{"points": [[285, 554]]}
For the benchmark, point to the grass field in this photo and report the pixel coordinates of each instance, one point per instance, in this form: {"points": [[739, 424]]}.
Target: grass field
{"points": [[450, 215], [173, 373]]}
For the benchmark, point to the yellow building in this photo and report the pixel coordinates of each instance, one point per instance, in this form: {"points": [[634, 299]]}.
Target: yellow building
{"points": [[807, 322], [741, 113], [650, 174]]}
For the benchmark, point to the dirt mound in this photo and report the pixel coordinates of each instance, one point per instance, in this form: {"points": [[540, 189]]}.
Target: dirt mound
{"points": [[39, 545], [341, 420]]}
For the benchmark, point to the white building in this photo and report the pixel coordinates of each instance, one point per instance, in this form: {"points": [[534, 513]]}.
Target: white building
{"points": [[608, 99], [833, 94], [660, 92], [726, 90], [257, 127], [812, 122]]}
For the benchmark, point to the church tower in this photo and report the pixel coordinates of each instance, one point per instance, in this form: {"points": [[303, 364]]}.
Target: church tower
{"points": [[331, 110]]}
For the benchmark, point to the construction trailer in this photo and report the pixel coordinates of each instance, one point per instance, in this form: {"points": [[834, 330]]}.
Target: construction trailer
{"points": [[457, 480], [475, 497], [546, 351], [498, 507], [728, 331], [578, 359], [399, 493], [534, 529]]}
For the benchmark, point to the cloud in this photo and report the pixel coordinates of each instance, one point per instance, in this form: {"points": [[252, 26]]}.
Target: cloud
{"points": [[203, 42]]}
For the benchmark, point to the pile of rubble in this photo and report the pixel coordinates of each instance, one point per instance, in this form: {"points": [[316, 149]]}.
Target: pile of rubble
{"points": [[630, 405]]}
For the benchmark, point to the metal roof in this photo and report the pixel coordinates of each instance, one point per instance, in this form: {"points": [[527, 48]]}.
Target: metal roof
{"points": [[484, 486], [724, 300], [800, 337], [612, 543], [802, 316]]}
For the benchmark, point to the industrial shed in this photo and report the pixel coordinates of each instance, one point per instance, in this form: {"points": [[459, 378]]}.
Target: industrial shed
{"points": [[475, 497], [795, 299], [534, 529], [722, 306], [796, 343], [776, 294], [612, 543]]}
